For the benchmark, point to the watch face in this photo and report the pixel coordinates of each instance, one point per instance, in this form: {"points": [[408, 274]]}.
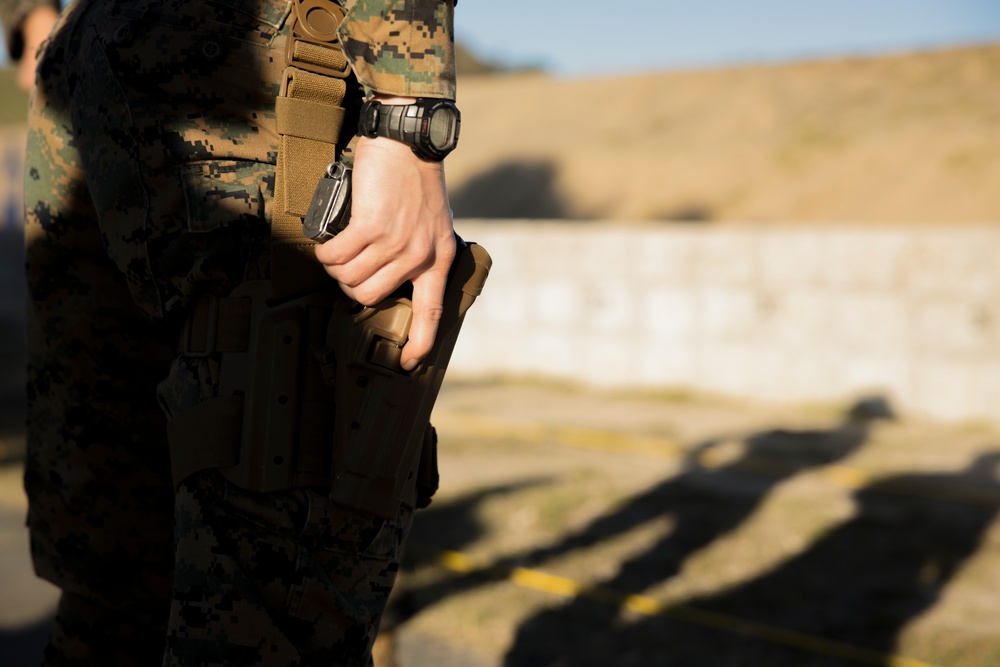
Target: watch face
{"points": [[441, 131]]}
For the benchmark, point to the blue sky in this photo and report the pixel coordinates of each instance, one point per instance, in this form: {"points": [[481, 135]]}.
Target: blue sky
{"points": [[585, 37], [581, 38]]}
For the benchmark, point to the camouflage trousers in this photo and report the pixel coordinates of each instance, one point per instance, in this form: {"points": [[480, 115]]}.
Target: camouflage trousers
{"points": [[150, 178]]}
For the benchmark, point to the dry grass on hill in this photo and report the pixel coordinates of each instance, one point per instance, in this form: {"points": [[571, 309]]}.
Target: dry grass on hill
{"points": [[904, 138], [911, 138]]}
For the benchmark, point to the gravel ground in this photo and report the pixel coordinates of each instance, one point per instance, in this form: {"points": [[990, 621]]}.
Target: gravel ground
{"points": [[581, 528]]}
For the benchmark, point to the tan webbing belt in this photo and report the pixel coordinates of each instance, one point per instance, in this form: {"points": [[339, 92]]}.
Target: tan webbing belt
{"points": [[309, 120], [216, 325]]}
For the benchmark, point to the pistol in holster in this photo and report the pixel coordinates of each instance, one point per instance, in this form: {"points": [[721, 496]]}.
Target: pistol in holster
{"points": [[382, 410], [314, 393], [310, 389]]}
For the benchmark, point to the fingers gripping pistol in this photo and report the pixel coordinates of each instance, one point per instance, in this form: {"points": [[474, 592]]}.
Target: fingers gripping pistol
{"points": [[311, 391], [382, 411]]}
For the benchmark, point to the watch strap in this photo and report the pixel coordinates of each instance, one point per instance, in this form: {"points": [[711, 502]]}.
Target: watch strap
{"points": [[395, 121]]}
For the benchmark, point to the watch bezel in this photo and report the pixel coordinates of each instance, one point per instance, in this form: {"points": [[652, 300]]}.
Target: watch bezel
{"points": [[410, 124]]}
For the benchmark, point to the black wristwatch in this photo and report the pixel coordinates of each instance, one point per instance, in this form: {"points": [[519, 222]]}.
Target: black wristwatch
{"points": [[429, 126]]}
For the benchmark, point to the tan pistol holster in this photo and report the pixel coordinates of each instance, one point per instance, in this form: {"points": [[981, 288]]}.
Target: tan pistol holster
{"points": [[311, 392]]}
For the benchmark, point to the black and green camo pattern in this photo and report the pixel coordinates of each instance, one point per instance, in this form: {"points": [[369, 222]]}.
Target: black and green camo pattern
{"points": [[402, 47]]}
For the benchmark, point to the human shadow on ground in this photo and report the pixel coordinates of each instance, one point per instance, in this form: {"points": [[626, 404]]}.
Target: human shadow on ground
{"points": [[703, 504], [843, 601], [511, 190], [451, 525], [857, 587], [716, 492], [711, 497]]}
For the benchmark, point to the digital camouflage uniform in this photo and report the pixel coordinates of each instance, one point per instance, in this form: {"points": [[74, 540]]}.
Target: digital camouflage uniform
{"points": [[149, 183]]}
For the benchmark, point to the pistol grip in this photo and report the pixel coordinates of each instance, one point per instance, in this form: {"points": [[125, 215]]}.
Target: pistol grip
{"points": [[383, 411]]}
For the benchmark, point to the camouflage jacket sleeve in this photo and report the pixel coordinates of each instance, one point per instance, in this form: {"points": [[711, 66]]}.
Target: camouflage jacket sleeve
{"points": [[12, 13], [402, 47]]}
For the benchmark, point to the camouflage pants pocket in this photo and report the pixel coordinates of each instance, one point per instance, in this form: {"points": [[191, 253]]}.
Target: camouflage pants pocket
{"points": [[281, 578]]}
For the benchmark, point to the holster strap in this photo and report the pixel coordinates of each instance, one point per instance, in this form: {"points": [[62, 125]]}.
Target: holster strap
{"points": [[216, 325], [307, 119], [309, 116]]}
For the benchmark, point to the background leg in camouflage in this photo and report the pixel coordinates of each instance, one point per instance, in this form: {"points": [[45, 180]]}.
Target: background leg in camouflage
{"points": [[151, 182]]}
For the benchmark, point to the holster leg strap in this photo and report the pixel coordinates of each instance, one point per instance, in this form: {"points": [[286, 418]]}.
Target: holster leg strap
{"points": [[206, 436]]}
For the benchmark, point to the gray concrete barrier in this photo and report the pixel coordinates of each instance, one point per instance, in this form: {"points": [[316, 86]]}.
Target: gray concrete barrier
{"points": [[777, 313]]}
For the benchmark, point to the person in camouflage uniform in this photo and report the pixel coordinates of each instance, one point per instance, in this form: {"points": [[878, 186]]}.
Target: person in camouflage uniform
{"points": [[150, 183], [26, 25]]}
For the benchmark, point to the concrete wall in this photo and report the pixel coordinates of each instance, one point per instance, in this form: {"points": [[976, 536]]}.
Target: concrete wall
{"points": [[779, 313]]}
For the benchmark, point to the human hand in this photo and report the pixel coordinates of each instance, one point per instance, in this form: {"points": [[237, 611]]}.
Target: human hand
{"points": [[401, 229], [35, 29]]}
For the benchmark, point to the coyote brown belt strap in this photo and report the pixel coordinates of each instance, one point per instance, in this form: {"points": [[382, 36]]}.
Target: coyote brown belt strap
{"points": [[216, 325], [309, 120], [309, 117]]}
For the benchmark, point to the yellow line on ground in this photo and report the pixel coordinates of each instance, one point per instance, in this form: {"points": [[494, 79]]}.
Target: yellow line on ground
{"points": [[478, 426], [532, 432], [647, 606]]}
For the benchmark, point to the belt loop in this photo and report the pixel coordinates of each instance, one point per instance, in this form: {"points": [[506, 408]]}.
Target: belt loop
{"points": [[204, 317]]}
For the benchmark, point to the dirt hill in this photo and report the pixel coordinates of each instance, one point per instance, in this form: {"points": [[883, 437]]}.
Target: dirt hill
{"points": [[902, 138]]}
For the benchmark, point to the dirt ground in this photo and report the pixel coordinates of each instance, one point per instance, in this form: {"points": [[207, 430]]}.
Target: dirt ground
{"points": [[579, 528]]}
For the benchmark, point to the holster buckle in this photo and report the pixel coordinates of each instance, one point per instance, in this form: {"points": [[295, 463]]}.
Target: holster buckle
{"points": [[315, 22]]}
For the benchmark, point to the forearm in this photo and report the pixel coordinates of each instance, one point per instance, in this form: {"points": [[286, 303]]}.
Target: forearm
{"points": [[401, 226]]}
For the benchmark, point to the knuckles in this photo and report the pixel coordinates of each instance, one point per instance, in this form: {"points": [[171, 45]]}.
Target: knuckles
{"points": [[367, 296]]}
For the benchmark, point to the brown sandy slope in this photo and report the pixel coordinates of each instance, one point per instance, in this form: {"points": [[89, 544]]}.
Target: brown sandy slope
{"points": [[903, 138]]}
